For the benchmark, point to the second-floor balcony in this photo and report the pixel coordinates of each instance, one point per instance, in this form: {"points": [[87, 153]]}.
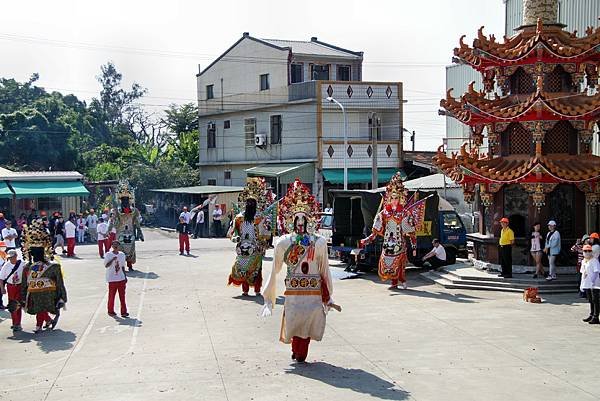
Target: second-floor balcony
{"points": [[302, 90]]}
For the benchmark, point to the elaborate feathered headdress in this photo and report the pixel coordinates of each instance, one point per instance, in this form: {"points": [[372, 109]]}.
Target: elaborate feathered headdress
{"points": [[124, 190], [298, 200], [256, 188], [36, 236], [395, 188]]}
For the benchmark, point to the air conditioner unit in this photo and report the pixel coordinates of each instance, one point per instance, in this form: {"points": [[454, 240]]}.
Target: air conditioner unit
{"points": [[260, 140]]}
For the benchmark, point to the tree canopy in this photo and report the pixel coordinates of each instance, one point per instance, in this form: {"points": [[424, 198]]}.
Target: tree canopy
{"points": [[112, 137]]}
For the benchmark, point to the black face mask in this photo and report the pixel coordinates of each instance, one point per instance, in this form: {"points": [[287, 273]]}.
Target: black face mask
{"points": [[124, 202], [250, 211]]}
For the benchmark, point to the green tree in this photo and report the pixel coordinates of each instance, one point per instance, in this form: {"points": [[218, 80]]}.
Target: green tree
{"points": [[183, 118]]}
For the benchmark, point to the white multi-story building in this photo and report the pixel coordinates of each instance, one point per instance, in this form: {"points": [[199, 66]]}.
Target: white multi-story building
{"points": [[264, 111], [577, 15]]}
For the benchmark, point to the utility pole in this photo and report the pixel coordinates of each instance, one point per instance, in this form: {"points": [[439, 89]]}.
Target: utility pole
{"points": [[375, 133]]}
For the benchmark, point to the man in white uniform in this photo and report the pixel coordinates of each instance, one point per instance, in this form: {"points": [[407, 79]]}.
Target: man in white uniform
{"points": [[9, 235], [437, 256]]}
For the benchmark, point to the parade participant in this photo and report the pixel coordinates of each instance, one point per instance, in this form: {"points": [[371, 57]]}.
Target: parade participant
{"points": [[127, 222], [395, 222], [58, 231], [251, 236], [590, 283], [2, 261], [183, 229], [92, 224], [308, 280], [112, 232], [114, 262], [80, 223], [186, 215], [70, 230], [11, 275], [43, 290], [102, 237]]}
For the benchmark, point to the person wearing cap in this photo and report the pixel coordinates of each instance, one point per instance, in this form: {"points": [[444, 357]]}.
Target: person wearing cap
{"points": [[9, 234], [115, 263], [11, 275], [92, 224], [70, 230], [507, 240], [590, 283], [552, 248]]}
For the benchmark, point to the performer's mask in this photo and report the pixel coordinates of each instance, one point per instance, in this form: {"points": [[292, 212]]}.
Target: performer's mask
{"points": [[124, 202], [300, 223]]}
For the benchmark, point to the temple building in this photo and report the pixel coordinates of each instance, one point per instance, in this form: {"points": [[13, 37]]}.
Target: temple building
{"points": [[536, 115]]}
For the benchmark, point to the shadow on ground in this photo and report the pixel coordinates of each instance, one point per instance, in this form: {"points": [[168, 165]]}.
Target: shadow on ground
{"points": [[141, 274], [258, 299], [356, 380], [48, 340]]}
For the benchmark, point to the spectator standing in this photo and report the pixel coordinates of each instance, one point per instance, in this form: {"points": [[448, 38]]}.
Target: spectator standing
{"points": [[80, 223], [58, 233], [507, 240], [199, 229], [92, 225], [328, 209], [10, 235], [590, 283], [536, 250], [217, 216], [186, 215], [21, 221], [2, 221], [437, 256], [11, 275], [102, 237], [114, 262], [184, 236], [2, 261], [70, 229], [552, 248]]}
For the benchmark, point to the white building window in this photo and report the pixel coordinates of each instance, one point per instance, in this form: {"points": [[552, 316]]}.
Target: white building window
{"points": [[212, 181], [211, 135], [226, 124], [275, 130], [297, 73], [210, 94], [227, 175], [319, 72], [250, 131], [264, 82]]}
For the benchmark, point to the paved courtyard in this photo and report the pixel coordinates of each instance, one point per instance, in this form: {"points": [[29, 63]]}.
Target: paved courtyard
{"points": [[192, 338]]}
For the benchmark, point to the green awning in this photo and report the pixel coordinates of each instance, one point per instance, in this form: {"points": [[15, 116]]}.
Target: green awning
{"points": [[42, 189], [286, 173], [359, 175], [5, 191]]}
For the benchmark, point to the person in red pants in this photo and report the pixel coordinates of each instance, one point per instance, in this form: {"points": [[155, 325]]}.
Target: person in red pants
{"points": [[183, 229], [114, 262], [102, 236], [70, 230], [11, 275]]}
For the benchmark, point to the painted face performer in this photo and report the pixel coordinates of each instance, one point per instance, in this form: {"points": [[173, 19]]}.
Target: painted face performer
{"points": [[127, 222], [394, 223], [43, 290], [308, 280], [251, 233]]}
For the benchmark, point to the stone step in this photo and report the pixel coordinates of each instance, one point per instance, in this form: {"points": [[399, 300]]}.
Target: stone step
{"points": [[525, 279], [517, 284], [450, 282]]}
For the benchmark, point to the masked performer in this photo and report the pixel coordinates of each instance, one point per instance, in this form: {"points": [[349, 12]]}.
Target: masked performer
{"points": [[127, 223], [43, 290], [308, 281], [251, 233], [395, 223]]}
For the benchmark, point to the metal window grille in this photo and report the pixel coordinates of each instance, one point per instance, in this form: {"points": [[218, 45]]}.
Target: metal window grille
{"points": [[521, 82], [557, 138], [519, 140]]}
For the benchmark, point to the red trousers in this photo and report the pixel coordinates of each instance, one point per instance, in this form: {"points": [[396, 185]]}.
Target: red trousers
{"points": [[300, 347], [107, 244], [401, 277], [42, 317], [102, 247], [71, 246], [257, 285], [14, 293], [113, 288], [111, 238], [184, 241]]}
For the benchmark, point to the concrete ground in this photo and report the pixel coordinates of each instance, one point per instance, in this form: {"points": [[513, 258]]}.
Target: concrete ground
{"points": [[192, 338]]}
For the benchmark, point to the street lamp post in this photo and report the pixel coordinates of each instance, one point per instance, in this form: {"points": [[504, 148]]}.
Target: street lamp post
{"points": [[332, 100]]}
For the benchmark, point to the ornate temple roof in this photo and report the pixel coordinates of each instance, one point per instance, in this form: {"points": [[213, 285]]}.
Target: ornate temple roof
{"points": [[465, 166], [545, 43], [475, 108]]}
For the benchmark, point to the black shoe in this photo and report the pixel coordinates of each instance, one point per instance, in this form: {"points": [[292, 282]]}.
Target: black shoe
{"points": [[301, 359], [293, 356], [508, 276], [125, 315], [500, 275], [588, 319], [535, 276], [594, 321]]}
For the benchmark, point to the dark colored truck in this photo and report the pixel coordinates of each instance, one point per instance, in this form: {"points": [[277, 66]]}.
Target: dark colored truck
{"points": [[355, 210]]}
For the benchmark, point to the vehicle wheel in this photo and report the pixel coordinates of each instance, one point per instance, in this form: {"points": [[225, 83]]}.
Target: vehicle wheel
{"points": [[451, 256]]}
